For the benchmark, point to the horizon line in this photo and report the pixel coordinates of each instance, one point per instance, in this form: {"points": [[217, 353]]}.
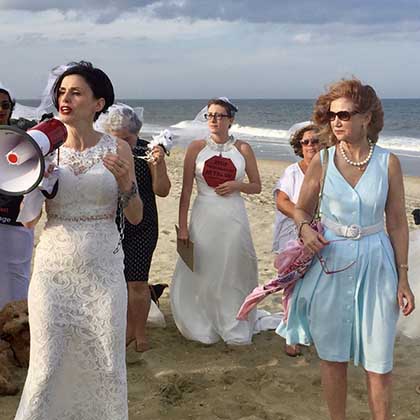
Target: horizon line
{"points": [[236, 99]]}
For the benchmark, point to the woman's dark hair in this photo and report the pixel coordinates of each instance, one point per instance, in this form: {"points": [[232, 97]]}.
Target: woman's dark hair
{"points": [[12, 106], [97, 80], [230, 109], [298, 136]]}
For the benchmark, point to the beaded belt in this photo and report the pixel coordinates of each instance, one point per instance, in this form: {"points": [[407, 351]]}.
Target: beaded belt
{"points": [[81, 218], [352, 231]]}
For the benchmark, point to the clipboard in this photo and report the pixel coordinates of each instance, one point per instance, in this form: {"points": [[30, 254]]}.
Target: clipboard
{"points": [[185, 251]]}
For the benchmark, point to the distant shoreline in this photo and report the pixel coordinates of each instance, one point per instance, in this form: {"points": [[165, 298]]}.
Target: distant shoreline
{"points": [[206, 99]]}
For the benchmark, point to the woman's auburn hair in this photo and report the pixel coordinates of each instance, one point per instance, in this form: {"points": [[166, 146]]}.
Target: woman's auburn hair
{"points": [[365, 100]]}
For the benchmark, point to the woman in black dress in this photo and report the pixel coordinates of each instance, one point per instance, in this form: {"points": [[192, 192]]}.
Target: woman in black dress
{"points": [[139, 240]]}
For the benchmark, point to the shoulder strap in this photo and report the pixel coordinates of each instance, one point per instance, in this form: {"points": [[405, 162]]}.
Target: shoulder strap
{"points": [[325, 156]]}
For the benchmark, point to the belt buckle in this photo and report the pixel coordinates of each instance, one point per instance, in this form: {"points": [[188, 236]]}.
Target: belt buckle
{"points": [[354, 232]]}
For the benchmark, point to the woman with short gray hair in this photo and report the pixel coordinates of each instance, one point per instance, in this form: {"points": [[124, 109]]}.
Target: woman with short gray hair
{"points": [[122, 117]]}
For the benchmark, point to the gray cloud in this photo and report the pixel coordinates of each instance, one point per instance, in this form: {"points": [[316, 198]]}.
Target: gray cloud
{"points": [[292, 11], [285, 11], [42, 5]]}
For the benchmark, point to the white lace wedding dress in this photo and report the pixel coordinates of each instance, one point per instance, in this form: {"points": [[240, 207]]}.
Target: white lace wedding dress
{"points": [[410, 325], [78, 300]]}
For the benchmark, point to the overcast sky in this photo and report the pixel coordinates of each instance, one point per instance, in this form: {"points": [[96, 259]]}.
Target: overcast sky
{"points": [[204, 48]]}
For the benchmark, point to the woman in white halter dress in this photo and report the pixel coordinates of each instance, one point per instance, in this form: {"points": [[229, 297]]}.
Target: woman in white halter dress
{"points": [[77, 295], [205, 302]]}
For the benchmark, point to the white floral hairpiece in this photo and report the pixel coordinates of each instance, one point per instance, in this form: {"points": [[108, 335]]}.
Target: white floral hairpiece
{"points": [[228, 101]]}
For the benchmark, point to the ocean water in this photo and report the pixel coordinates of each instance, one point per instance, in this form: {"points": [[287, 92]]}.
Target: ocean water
{"points": [[264, 123]]}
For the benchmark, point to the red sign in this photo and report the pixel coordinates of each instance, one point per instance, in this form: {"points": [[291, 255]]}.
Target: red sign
{"points": [[218, 170]]}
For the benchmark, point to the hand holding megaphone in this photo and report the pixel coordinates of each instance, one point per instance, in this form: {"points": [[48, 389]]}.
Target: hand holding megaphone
{"points": [[22, 163], [32, 203]]}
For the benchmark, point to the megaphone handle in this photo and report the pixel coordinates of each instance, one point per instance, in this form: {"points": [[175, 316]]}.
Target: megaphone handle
{"points": [[53, 193]]}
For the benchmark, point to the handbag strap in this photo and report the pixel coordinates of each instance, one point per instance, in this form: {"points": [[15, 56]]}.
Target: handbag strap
{"points": [[325, 156]]}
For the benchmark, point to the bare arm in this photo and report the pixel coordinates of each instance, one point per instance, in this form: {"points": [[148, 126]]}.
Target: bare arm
{"points": [[253, 186], [397, 227], [160, 180], [32, 223], [187, 186], [306, 205], [284, 204]]}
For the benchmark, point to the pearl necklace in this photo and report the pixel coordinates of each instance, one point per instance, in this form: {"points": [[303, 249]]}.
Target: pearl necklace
{"points": [[362, 163]]}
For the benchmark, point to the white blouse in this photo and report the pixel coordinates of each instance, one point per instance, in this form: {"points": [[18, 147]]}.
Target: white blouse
{"points": [[284, 227]]}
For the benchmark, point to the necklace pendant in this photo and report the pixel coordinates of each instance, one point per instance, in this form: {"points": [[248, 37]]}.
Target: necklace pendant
{"points": [[220, 147]]}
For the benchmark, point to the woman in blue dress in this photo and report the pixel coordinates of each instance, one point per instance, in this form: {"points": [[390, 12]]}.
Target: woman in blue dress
{"points": [[352, 314]]}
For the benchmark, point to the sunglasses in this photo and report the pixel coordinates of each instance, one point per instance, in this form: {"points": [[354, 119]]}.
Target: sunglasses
{"points": [[310, 141], [5, 105], [325, 268], [342, 115], [323, 262]]}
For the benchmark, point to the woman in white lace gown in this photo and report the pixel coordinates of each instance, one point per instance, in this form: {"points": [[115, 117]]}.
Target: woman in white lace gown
{"points": [[77, 294], [205, 302]]}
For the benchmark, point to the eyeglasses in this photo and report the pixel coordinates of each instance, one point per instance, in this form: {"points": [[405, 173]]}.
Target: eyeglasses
{"points": [[306, 142], [342, 115], [5, 105], [217, 116], [323, 262], [325, 268]]}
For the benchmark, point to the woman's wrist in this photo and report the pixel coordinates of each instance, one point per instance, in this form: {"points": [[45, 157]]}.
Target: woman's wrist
{"points": [[301, 225], [127, 196], [402, 267], [248, 187], [125, 185]]}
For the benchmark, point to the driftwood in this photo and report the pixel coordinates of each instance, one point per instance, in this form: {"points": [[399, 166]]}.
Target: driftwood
{"points": [[14, 344]]}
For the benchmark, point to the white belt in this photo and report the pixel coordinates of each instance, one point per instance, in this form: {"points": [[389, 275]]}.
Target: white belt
{"points": [[81, 218], [352, 231]]}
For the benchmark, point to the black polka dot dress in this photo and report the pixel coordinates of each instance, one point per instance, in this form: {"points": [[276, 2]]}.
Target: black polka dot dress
{"points": [[140, 240]]}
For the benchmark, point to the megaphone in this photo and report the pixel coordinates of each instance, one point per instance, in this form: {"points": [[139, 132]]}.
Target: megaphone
{"points": [[22, 154]]}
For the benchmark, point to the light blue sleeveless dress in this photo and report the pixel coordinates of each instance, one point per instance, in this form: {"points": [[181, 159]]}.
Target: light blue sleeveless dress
{"points": [[351, 314]]}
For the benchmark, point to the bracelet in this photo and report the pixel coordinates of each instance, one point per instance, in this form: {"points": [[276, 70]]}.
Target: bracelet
{"points": [[300, 226], [127, 196], [403, 266]]}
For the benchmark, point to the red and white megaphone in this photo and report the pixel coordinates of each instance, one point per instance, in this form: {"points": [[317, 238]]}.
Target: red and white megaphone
{"points": [[22, 154]]}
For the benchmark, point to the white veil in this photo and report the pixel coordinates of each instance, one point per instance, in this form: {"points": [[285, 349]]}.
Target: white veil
{"points": [[186, 131], [46, 104]]}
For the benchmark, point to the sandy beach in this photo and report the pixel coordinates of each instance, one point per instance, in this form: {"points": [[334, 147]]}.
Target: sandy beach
{"points": [[181, 380]]}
